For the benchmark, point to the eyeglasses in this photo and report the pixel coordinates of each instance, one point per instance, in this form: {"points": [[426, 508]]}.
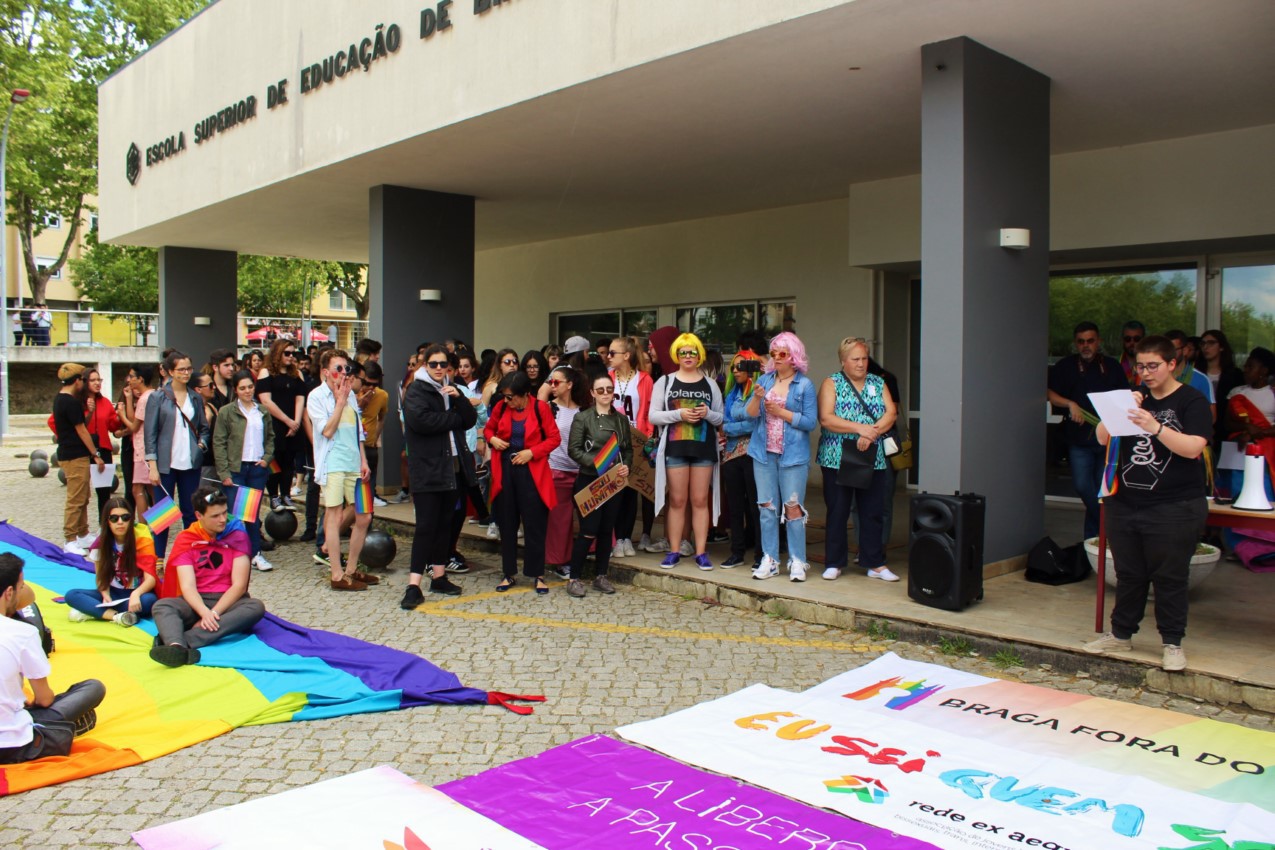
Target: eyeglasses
{"points": [[604, 391], [1148, 367], [119, 517], [509, 362], [779, 355], [437, 364], [184, 370], [555, 382], [1207, 341], [1133, 338], [289, 354], [687, 352]]}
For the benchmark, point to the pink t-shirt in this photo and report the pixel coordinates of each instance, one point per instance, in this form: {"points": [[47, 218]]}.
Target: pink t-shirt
{"points": [[775, 426], [139, 436]]}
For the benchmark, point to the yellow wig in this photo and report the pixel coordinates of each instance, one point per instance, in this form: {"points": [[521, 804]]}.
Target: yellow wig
{"points": [[687, 341]]}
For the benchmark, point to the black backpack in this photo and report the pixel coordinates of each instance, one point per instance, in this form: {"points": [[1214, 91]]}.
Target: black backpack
{"points": [[1049, 563]]}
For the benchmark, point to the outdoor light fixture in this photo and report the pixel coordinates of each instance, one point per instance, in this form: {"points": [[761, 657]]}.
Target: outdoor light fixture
{"points": [[1016, 238], [431, 295], [203, 321]]}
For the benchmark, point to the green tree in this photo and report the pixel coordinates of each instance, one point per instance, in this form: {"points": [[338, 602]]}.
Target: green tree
{"points": [[62, 51], [274, 286], [119, 279], [1161, 301], [348, 278]]}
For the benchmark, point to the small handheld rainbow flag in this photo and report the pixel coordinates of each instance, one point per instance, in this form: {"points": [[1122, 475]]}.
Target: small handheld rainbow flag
{"points": [[363, 497], [162, 515], [1110, 483], [275, 467], [247, 505], [608, 455]]}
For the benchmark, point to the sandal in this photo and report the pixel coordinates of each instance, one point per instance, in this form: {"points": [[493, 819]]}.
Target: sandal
{"points": [[541, 587], [506, 583]]}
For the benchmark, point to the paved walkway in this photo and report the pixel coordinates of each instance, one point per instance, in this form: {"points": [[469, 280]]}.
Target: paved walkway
{"points": [[602, 662]]}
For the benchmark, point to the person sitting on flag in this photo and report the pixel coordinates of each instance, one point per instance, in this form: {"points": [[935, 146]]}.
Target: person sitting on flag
{"points": [[340, 467], [125, 571], [47, 724], [521, 432], [600, 439], [243, 443], [205, 592]]}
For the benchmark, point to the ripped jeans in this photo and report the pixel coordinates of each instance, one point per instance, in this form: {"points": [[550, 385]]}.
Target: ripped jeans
{"points": [[783, 486]]}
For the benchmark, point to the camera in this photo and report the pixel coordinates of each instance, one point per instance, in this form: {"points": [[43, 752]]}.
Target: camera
{"points": [[749, 366]]}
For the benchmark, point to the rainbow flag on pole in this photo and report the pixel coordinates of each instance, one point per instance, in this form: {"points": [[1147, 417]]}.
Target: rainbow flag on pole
{"points": [[162, 515], [275, 467], [363, 497], [1109, 484], [247, 505], [608, 455]]}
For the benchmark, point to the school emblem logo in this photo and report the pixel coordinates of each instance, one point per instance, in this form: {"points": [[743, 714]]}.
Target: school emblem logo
{"points": [[133, 164]]}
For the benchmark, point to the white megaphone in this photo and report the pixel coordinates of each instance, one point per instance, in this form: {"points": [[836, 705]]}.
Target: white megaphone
{"points": [[1253, 495]]}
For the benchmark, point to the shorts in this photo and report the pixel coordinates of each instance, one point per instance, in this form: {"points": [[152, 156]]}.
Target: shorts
{"points": [[678, 462], [338, 490], [141, 471]]}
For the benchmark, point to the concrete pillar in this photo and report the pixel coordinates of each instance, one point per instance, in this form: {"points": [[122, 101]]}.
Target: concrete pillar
{"points": [[984, 309], [420, 240], [196, 283]]}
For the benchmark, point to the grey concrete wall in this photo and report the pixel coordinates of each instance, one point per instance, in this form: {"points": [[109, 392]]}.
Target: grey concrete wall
{"points": [[197, 282], [419, 240], [984, 309]]}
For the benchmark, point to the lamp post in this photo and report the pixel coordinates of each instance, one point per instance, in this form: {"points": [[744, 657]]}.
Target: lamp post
{"points": [[15, 97]]}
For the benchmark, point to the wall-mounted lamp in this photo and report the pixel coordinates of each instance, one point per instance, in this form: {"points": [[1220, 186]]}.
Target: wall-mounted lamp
{"points": [[1016, 238], [431, 295], [203, 321]]}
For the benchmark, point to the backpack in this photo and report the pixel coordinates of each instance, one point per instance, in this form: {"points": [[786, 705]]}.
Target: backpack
{"points": [[1049, 563]]}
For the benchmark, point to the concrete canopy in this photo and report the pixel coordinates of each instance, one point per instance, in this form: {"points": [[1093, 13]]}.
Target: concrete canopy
{"points": [[781, 110]]}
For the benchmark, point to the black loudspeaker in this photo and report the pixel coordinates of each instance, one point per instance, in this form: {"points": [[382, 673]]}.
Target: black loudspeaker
{"points": [[945, 550]]}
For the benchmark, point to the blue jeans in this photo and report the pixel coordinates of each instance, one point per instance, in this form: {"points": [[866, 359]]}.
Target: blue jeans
{"points": [[1087, 464], [254, 476], [181, 484], [777, 487], [87, 601]]}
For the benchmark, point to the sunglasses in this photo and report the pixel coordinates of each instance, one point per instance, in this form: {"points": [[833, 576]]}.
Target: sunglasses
{"points": [[338, 369], [509, 396], [289, 354], [779, 355], [437, 364], [1133, 339], [554, 382], [509, 362], [119, 517], [687, 352], [616, 353], [604, 391]]}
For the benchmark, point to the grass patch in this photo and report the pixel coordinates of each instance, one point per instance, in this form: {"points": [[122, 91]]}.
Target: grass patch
{"points": [[880, 630], [1007, 658], [955, 646], [779, 612]]}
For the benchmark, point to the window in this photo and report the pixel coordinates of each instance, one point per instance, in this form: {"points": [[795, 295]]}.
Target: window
{"points": [[1248, 308], [640, 323], [591, 326], [92, 221], [1162, 299], [337, 300], [717, 326], [777, 317], [48, 262], [53, 221]]}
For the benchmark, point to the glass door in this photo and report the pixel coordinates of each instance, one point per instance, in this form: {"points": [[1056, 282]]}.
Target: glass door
{"points": [[1247, 303]]}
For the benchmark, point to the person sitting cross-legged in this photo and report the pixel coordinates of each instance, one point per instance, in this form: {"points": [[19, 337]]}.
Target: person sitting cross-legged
{"points": [[47, 724], [210, 598], [125, 556]]}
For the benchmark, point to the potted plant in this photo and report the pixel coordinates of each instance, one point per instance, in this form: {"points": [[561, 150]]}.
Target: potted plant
{"points": [[1202, 562]]}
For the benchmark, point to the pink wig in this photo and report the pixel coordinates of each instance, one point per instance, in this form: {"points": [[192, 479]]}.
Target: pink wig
{"points": [[787, 341]]}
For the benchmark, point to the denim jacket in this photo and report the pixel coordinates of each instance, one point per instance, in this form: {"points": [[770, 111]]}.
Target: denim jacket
{"points": [[803, 401], [736, 424], [160, 425]]}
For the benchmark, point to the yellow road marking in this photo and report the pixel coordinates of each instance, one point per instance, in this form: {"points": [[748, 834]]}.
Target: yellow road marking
{"points": [[442, 609]]}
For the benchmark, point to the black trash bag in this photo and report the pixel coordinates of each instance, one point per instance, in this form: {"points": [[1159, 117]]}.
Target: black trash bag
{"points": [[1049, 563]]}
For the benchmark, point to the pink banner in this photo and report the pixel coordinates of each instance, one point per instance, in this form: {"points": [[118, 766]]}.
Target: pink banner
{"points": [[599, 792]]}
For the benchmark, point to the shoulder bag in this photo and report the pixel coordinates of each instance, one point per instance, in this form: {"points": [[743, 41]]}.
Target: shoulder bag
{"points": [[857, 466]]}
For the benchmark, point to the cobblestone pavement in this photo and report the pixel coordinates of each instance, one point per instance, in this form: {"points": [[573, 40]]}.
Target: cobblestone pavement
{"points": [[601, 661]]}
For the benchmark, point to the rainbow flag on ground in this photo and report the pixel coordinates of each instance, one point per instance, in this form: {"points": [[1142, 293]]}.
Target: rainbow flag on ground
{"points": [[363, 497], [608, 455], [162, 515], [279, 672], [247, 505]]}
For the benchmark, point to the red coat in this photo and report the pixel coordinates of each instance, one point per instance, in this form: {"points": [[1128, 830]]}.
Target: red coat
{"points": [[541, 436], [102, 425]]}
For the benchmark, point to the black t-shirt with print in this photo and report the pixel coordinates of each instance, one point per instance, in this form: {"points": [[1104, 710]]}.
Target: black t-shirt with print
{"points": [[695, 440], [1148, 472]]}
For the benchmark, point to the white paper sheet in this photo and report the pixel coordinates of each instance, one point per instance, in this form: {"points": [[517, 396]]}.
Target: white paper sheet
{"points": [[1231, 457], [103, 478], [1113, 409]]}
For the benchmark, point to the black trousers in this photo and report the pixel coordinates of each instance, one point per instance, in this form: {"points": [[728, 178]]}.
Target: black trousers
{"points": [[598, 525], [745, 520], [103, 493], [433, 522], [54, 726], [629, 500], [126, 468], [1152, 546], [290, 452], [373, 463], [519, 502], [311, 493], [869, 505]]}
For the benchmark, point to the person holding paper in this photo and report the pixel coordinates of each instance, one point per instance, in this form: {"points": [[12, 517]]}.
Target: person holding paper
{"points": [[1071, 380], [125, 571], [1157, 511]]}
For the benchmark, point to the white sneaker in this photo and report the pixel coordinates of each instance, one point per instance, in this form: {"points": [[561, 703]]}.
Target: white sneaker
{"points": [[832, 574], [686, 550], [295, 491], [658, 547], [262, 564], [617, 551], [1174, 658], [86, 541], [796, 571], [769, 568], [493, 532], [1108, 643], [78, 616], [378, 501], [882, 573], [74, 548], [629, 551]]}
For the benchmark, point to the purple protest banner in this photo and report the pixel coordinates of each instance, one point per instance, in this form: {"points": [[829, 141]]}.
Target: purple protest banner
{"points": [[600, 792]]}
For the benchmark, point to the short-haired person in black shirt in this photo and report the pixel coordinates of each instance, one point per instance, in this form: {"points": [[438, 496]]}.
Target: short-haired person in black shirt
{"points": [[76, 450], [1071, 380], [1158, 511]]}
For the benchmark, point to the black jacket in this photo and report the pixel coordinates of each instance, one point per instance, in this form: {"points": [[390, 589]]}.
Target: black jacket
{"points": [[428, 426]]}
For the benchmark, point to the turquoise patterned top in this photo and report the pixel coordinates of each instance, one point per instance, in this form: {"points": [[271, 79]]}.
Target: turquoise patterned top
{"points": [[847, 407]]}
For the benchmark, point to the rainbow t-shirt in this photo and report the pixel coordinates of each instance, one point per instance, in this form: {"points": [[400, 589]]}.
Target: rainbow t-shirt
{"points": [[690, 439]]}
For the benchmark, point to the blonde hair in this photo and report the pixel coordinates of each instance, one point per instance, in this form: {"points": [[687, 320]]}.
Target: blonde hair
{"points": [[843, 349], [688, 340]]}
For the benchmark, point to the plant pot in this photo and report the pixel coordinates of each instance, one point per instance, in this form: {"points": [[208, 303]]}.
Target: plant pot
{"points": [[1202, 563]]}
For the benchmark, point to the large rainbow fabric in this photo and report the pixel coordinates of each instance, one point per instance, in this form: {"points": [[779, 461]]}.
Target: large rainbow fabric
{"points": [[363, 497], [247, 504], [280, 672], [162, 515], [607, 455]]}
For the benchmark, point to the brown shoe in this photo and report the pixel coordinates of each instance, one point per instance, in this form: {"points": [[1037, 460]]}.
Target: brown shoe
{"points": [[365, 578], [347, 583]]}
